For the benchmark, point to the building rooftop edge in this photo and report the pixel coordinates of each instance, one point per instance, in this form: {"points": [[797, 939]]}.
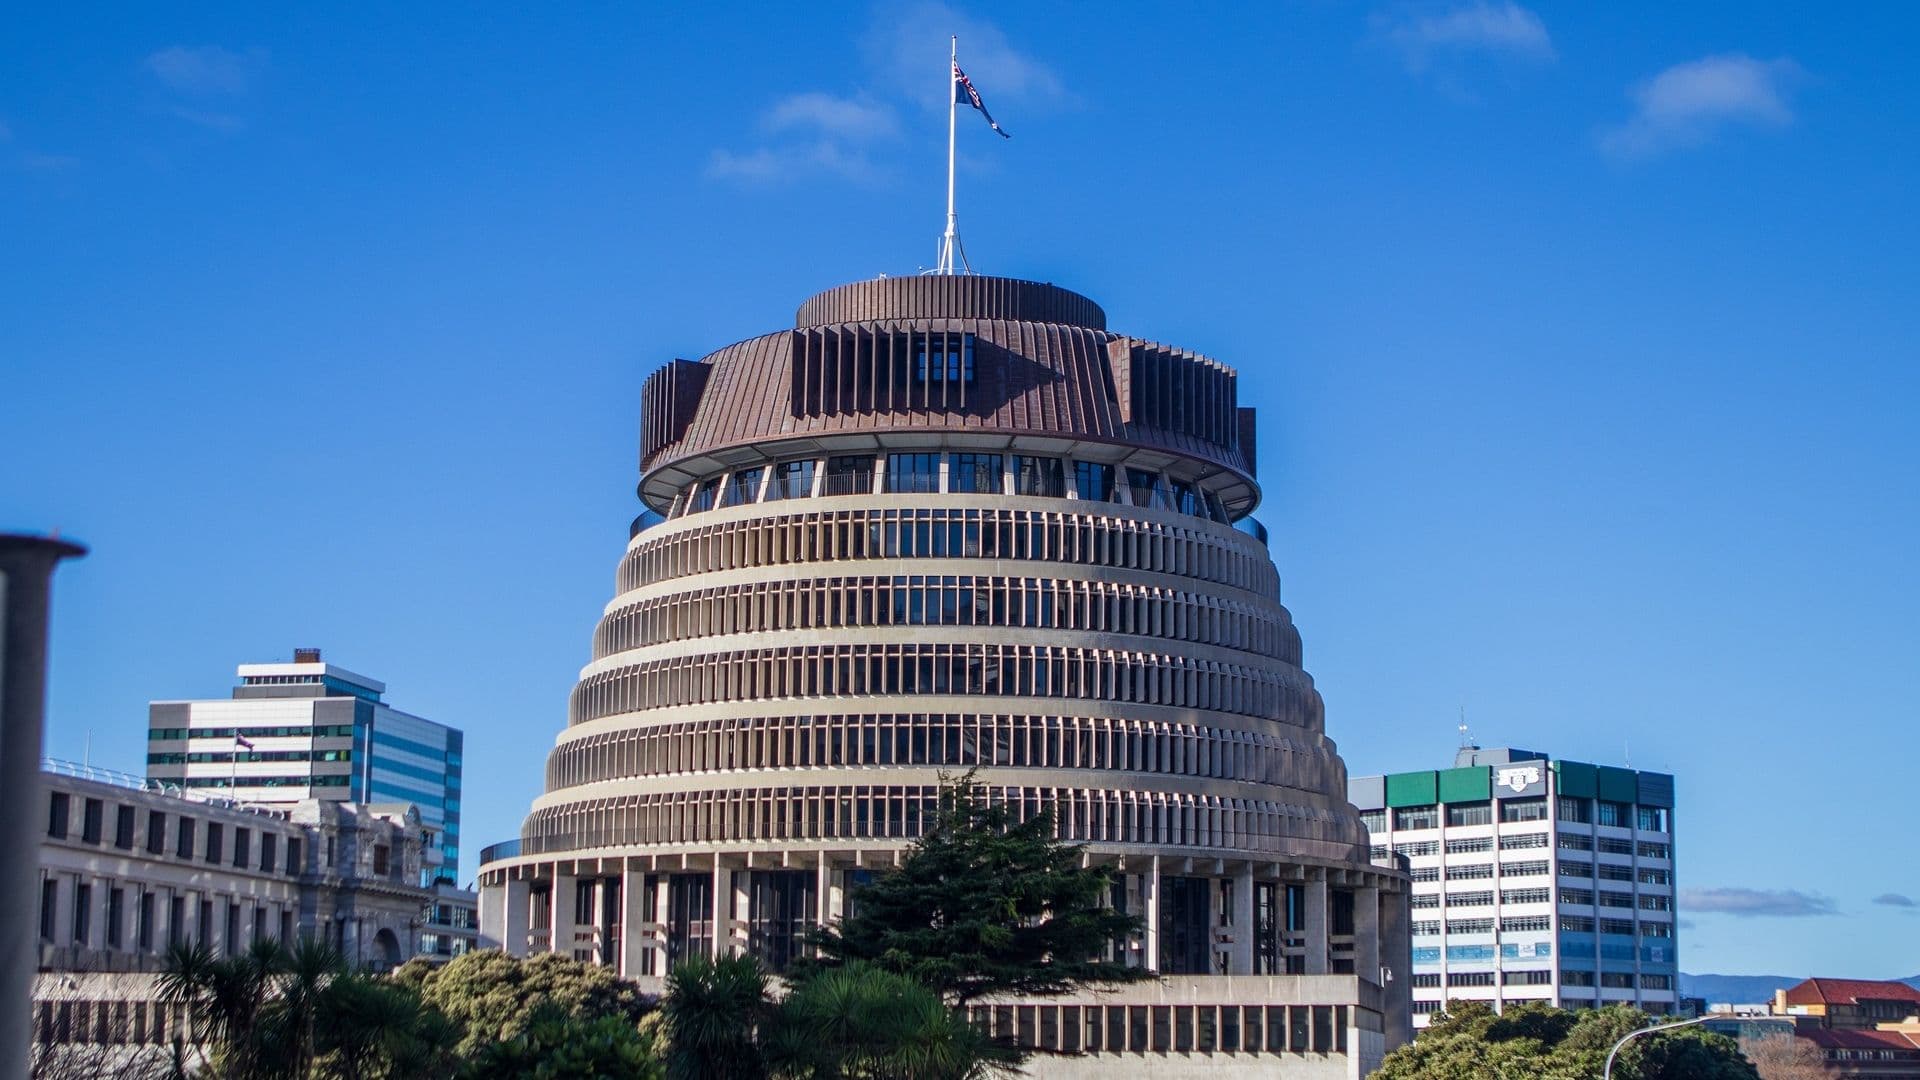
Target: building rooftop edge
{"points": [[288, 667]]}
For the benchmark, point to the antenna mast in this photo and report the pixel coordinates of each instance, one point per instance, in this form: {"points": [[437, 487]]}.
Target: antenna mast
{"points": [[950, 248]]}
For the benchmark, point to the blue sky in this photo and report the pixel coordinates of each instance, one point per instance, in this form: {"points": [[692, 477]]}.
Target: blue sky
{"points": [[1583, 339]]}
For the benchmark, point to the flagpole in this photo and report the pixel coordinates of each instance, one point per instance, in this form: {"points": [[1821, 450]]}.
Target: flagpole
{"points": [[952, 237]]}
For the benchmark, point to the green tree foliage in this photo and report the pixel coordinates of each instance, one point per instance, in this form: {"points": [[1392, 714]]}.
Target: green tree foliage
{"points": [[1537, 1042], [713, 1014], [491, 996], [983, 905], [860, 1022], [556, 1044]]}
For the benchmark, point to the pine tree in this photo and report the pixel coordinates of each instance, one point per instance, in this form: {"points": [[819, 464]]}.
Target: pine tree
{"points": [[985, 905]]}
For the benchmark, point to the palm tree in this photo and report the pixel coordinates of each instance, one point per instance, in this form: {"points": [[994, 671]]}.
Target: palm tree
{"points": [[713, 1010], [227, 998], [312, 966]]}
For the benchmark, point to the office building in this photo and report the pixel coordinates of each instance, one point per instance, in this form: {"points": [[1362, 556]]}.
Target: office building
{"points": [[1533, 879], [946, 523], [311, 730]]}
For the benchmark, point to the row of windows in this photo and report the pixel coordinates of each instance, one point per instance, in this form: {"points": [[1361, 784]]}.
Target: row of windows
{"points": [[789, 813], [1168, 1029], [111, 1023], [967, 473], [218, 757], [1583, 924], [939, 668], [317, 731], [1029, 536], [295, 780], [952, 739], [1620, 815], [188, 839], [139, 919], [954, 600]]}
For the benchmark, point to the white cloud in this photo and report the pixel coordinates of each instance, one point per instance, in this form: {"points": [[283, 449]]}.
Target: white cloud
{"points": [[840, 117], [908, 44], [1749, 903], [904, 53], [1690, 103], [1505, 28], [205, 69], [772, 165]]}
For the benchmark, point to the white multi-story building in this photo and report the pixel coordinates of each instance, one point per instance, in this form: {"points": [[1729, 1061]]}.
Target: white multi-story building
{"points": [[1533, 879], [311, 730]]}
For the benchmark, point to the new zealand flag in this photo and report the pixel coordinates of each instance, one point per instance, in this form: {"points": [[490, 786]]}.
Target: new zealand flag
{"points": [[965, 94]]}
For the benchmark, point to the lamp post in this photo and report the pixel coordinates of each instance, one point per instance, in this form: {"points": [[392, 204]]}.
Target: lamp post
{"points": [[1607, 1072], [26, 573]]}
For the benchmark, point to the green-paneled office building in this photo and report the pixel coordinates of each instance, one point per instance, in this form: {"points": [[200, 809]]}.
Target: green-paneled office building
{"points": [[1533, 879]]}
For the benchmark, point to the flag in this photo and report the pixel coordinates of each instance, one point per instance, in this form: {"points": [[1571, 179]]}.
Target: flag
{"points": [[965, 94], [243, 740]]}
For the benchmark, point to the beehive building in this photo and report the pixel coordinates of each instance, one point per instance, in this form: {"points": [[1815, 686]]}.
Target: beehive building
{"points": [[945, 523]]}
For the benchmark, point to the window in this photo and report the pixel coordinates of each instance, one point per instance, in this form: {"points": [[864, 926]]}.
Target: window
{"points": [[1526, 896], [850, 474], [93, 813], [1470, 899], [1656, 903], [1617, 815], [1614, 872], [944, 357], [49, 904], [1469, 978], [242, 847], [1656, 982], [1651, 819], [1572, 842], [1616, 926], [294, 865], [268, 854], [183, 838], [705, 494], [1093, 481], [380, 861], [1417, 848], [743, 487], [1582, 897], [1147, 488], [1470, 814], [1613, 845], [1425, 980], [214, 846], [123, 828], [1656, 930], [1526, 924], [156, 832], [1472, 845], [1040, 476], [1576, 978], [1616, 899], [1580, 810], [910, 473], [976, 473], [82, 912], [1373, 820], [1570, 868], [1523, 841], [1469, 926], [791, 480], [1576, 924], [1531, 868], [1415, 817], [1618, 980], [1526, 978], [1470, 871], [144, 937], [1523, 809], [57, 810], [116, 916]]}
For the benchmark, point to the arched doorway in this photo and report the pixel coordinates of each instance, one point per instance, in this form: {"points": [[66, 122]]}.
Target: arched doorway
{"points": [[386, 950]]}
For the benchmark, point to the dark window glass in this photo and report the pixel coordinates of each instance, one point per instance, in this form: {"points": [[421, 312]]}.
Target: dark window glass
{"points": [[743, 487], [183, 838], [156, 832], [94, 811], [909, 473], [1093, 481], [850, 474], [1147, 488], [214, 845], [705, 494], [1041, 476], [979, 473], [944, 357], [791, 480], [123, 827], [49, 903], [57, 810]]}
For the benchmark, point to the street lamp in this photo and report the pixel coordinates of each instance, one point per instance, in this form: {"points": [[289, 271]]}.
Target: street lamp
{"points": [[1607, 1072]]}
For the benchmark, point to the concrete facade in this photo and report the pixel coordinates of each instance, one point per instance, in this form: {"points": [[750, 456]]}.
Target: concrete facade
{"points": [[953, 524]]}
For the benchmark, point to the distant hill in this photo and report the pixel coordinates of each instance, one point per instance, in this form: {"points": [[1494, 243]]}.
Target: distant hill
{"points": [[1746, 989]]}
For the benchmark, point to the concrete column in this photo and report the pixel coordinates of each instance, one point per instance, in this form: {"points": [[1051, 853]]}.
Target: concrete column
{"points": [[26, 573], [516, 915], [634, 911], [822, 891], [490, 924], [1396, 958], [1366, 934], [1317, 945], [63, 895], [1240, 960], [560, 939], [722, 894], [1150, 885]]}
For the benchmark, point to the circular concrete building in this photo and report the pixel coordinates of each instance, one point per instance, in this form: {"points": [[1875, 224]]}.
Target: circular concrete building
{"points": [[949, 523]]}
